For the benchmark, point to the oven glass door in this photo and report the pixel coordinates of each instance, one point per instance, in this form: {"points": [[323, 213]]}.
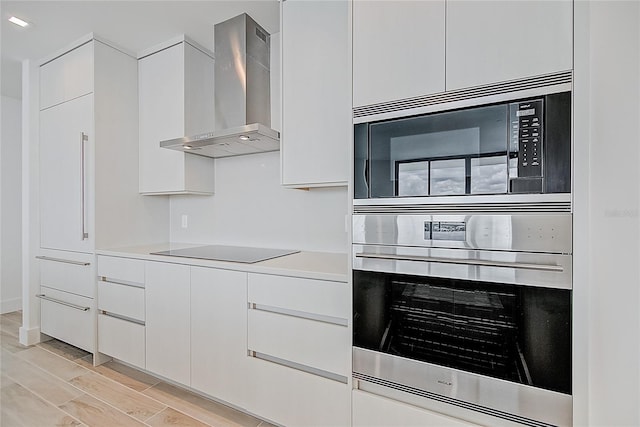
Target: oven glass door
{"points": [[516, 333], [451, 153]]}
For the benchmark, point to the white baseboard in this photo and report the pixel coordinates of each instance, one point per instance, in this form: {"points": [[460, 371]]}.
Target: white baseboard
{"points": [[10, 305], [30, 336]]}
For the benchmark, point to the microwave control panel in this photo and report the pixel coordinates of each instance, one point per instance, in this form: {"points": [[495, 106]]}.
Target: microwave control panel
{"points": [[526, 127]]}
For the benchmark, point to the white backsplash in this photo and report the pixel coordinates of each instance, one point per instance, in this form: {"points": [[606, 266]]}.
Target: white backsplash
{"points": [[251, 208]]}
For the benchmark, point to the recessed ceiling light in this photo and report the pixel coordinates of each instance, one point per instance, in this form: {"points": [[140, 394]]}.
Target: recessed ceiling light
{"points": [[18, 21], [244, 137], [187, 147]]}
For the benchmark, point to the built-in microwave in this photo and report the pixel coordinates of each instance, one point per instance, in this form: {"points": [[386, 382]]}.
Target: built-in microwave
{"points": [[516, 146]]}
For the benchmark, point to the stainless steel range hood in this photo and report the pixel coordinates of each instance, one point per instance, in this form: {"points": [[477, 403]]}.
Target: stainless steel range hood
{"points": [[242, 94]]}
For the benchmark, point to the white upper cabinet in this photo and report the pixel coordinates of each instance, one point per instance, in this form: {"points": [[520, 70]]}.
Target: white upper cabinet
{"points": [[398, 50], [316, 93], [67, 78], [175, 100], [493, 41], [405, 49]]}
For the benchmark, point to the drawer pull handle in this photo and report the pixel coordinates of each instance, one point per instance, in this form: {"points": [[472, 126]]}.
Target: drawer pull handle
{"points": [[299, 366], [68, 304], [83, 138], [121, 282], [118, 316], [300, 314], [481, 263], [66, 261]]}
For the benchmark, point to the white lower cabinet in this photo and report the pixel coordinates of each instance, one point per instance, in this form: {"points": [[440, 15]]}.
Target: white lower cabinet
{"points": [[370, 410], [299, 341], [168, 320], [278, 347], [219, 334], [121, 309]]}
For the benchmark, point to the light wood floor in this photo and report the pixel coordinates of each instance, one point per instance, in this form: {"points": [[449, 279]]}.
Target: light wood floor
{"points": [[53, 383]]}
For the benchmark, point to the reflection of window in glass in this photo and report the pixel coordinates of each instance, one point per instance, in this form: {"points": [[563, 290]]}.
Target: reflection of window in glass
{"points": [[513, 167], [447, 177], [489, 175], [413, 179]]}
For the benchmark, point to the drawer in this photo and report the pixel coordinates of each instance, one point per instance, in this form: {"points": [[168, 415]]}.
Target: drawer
{"points": [[123, 300], [321, 348], [121, 339], [370, 410], [290, 397], [306, 295], [68, 272], [68, 317], [124, 270]]}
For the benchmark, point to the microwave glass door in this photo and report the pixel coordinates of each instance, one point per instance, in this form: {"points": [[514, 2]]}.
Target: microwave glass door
{"points": [[451, 153]]}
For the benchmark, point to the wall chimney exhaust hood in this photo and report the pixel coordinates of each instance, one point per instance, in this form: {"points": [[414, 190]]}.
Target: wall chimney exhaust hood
{"points": [[242, 94]]}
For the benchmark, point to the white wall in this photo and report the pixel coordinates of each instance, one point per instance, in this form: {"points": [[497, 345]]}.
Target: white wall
{"points": [[30, 330], [251, 208], [11, 239], [608, 106]]}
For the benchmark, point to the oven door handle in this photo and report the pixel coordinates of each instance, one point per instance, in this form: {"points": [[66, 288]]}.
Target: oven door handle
{"points": [[481, 263]]}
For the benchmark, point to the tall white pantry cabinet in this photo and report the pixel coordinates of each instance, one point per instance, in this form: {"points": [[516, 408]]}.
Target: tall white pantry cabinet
{"points": [[88, 180]]}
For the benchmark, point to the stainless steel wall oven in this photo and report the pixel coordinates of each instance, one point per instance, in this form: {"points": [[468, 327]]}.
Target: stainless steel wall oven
{"points": [[462, 259]]}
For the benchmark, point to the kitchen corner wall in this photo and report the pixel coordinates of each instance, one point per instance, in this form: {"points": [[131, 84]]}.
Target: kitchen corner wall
{"points": [[607, 214], [251, 208], [11, 243]]}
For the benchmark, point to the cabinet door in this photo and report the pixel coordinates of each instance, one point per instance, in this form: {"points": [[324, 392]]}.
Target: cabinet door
{"points": [[167, 299], [398, 50], [493, 41], [316, 87], [161, 106], [66, 165], [67, 77], [219, 333]]}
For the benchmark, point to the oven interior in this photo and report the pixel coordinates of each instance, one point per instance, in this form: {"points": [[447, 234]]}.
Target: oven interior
{"points": [[516, 333]]}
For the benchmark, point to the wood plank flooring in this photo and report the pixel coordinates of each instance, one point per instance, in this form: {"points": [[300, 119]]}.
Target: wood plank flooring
{"points": [[55, 384]]}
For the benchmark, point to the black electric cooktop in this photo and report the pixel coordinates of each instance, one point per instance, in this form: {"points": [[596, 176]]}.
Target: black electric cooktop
{"points": [[241, 254]]}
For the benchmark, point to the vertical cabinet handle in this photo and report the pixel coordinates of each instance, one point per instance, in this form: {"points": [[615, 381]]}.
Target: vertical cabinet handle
{"points": [[83, 138]]}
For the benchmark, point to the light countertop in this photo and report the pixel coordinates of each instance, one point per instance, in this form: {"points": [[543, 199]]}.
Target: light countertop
{"points": [[311, 265]]}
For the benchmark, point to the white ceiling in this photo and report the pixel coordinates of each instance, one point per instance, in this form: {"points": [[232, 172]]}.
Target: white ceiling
{"points": [[134, 25]]}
